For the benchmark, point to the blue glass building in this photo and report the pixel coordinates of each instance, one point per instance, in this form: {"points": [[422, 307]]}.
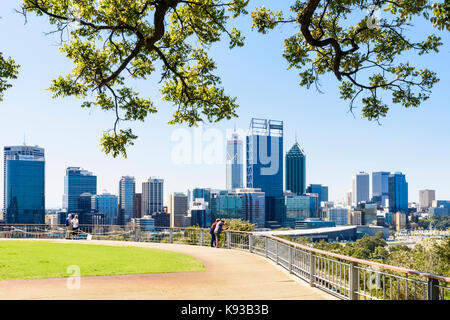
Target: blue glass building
{"points": [[398, 193], [234, 164], [298, 208], [296, 170], [264, 150], [106, 203], [127, 190], [380, 187], [202, 193], [24, 184], [77, 182], [320, 190]]}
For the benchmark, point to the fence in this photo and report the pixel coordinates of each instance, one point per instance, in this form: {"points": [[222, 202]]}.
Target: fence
{"points": [[345, 277]]}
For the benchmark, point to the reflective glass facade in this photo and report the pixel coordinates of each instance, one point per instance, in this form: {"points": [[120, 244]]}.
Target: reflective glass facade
{"points": [[76, 182], [296, 170], [380, 187], [127, 189], [107, 204], [234, 165], [24, 185], [320, 190], [227, 206], [298, 208], [398, 193]]}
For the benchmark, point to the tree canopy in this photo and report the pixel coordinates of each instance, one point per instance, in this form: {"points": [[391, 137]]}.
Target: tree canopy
{"points": [[114, 42], [8, 71]]}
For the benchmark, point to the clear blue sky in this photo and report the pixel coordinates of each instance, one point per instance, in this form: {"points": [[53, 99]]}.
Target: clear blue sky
{"points": [[414, 141]]}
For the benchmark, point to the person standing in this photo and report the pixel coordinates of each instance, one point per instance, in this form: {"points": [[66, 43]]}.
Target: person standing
{"points": [[218, 231], [75, 226], [68, 226], [211, 232]]}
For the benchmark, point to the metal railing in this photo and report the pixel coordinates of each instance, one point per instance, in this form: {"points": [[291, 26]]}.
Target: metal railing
{"points": [[342, 276]]}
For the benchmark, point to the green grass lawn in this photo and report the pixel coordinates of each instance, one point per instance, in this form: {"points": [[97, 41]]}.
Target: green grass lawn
{"points": [[39, 259]]}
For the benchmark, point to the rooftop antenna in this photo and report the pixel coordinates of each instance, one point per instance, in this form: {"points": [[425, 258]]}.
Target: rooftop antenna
{"points": [[296, 136], [24, 139]]}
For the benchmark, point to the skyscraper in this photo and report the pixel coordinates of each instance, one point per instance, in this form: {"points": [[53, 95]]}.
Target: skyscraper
{"points": [[360, 190], [177, 208], [77, 182], [322, 192], [234, 165], [296, 170], [398, 193], [24, 184], [380, 187], [127, 190], [152, 196], [426, 198], [106, 204], [264, 149]]}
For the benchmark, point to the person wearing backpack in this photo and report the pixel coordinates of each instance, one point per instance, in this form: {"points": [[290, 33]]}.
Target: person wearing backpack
{"points": [[218, 231], [211, 232], [68, 226]]}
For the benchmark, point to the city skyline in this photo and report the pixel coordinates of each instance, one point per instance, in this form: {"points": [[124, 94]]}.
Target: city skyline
{"points": [[71, 134]]}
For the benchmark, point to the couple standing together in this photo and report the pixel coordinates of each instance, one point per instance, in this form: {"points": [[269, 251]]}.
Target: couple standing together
{"points": [[215, 231], [72, 226]]}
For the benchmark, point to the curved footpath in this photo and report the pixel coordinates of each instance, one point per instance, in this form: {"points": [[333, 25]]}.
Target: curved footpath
{"points": [[229, 275]]}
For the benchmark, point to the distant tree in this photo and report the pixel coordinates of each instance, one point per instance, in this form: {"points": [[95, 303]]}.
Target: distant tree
{"points": [[239, 225]]}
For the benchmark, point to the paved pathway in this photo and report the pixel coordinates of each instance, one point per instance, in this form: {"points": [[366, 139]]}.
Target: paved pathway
{"points": [[229, 274]]}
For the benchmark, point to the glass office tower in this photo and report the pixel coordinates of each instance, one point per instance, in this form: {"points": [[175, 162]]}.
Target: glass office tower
{"points": [[296, 170], [24, 184], [264, 149], [320, 190], [380, 187], [106, 204], [127, 190], [398, 193], [152, 196], [77, 182], [234, 164]]}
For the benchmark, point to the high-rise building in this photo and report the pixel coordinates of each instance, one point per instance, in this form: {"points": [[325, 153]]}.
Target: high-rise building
{"points": [[321, 191], [338, 215], [152, 196], [426, 198], [24, 184], [234, 163], [296, 170], [202, 193], [354, 217], [178, 209], [106, 204], [253, 205], [298, 208], [380, 187], [138, 205], [127, 191], [198, 210], [77, 182], [264, 150], [398, 193], [360, 190]]}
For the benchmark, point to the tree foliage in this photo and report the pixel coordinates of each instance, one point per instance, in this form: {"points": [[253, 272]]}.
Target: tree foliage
{"points": [[8, 71], [361, 42], [113, 42]]}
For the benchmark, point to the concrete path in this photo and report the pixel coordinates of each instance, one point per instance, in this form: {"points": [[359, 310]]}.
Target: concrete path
{"points": [[229, 275]]}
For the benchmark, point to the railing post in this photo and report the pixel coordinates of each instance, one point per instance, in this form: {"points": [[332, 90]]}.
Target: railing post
{"points": [[171, 236], [229, 240], [433, 289], [312, 268], [202, 237], [353, 281], [277, 252], [291, 258], [250, 243], [266, 246]]}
